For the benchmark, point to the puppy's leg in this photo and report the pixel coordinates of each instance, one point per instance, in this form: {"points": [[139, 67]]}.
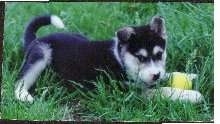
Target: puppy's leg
{"points": [[37, 58]]}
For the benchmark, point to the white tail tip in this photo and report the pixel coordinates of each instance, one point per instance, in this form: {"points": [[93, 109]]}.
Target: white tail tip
{"points": [[56, 21]]}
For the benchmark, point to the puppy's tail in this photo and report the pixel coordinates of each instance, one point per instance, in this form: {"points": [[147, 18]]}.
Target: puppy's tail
{"points": [[36, 23]]}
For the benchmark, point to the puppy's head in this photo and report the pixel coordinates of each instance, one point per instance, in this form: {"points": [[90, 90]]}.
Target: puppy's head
{"points": [[142, 51]]}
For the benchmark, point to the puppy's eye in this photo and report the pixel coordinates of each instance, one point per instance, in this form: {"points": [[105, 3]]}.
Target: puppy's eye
{"points": [[158, 56], [141, 58]]}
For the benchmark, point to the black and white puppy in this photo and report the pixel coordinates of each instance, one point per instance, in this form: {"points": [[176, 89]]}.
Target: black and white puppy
{"points": [[136, 53]]}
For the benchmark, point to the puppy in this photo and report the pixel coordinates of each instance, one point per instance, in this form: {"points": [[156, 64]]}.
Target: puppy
{"points": [[136, 54]]}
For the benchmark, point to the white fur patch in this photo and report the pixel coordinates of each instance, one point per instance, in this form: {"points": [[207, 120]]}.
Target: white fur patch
{"points": [[56, 21], [23, 85], [157, 49], [131, 64], [142, 52], [115, 50]]}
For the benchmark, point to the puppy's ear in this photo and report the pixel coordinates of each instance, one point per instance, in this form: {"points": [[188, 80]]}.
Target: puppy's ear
{"points": [[124, 34], [157, 24]]}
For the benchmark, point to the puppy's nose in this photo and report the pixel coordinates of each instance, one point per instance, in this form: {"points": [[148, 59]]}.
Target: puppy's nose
{"points": [[156, 76]]}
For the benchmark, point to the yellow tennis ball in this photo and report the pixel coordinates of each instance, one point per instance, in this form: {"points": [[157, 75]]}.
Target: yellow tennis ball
{"points": [[180, 80]]}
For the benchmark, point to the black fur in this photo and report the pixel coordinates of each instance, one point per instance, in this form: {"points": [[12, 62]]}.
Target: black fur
{"points": [[33, 26], [76, 58]]}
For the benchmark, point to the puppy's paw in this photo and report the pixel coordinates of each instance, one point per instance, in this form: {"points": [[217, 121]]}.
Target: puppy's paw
{"points": [[24, 96]]}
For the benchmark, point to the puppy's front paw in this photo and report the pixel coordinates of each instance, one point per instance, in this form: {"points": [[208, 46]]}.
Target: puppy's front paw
{"points": [[24, 96]]}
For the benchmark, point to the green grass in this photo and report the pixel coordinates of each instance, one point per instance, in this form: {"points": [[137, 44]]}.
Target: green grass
{"points": [[190, 49]]}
